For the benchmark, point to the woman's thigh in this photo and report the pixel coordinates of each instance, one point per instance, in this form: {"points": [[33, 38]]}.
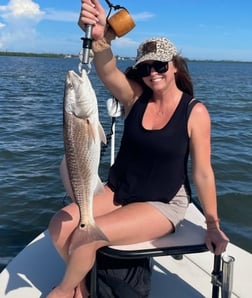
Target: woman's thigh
{"points": [[136, 222], [132, 223]]}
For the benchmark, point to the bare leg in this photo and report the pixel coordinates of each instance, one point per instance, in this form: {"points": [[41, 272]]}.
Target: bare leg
{"points": [[80, 262], [61, 227], [66, 220], [124, 225], [64, 223]]}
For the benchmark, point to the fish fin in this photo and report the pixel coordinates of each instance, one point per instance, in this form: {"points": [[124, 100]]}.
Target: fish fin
{"points": [[99, 186], [65, 178], [102, 133], [92, 131], [82, 236], [96, 131]]}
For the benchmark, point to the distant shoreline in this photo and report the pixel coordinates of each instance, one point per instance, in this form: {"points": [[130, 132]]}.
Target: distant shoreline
{"points": [[25, 54], [53, 55]]}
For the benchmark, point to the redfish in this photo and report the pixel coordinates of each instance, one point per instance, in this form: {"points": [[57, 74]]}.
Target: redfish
{"points": [[83, 134]]}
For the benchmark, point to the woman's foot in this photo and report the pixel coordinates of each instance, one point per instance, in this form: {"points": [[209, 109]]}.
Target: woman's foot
{"points": [[58, 292], [81, 291]]}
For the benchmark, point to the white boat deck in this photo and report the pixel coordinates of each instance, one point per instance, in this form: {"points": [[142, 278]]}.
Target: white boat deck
{"points": [[38, 268], [191, 277]]}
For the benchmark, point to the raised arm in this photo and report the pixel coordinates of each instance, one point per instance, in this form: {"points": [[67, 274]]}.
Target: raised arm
{"points": [[126, 91]]}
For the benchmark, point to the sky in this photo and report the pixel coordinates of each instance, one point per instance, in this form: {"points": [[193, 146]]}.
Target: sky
{"points": [[200, 29]]}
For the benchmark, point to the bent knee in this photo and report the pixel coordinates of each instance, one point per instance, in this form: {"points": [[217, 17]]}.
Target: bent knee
{"points": [[63, 222]]}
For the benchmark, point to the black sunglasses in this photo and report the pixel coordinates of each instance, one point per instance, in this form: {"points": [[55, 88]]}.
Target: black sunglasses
{"points": [[144, 69]]}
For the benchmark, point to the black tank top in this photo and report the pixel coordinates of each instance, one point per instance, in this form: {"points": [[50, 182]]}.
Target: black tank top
{"points": [[151, 164]]}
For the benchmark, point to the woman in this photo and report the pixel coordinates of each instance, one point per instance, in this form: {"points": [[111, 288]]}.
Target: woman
{"points": [[148, 191]]}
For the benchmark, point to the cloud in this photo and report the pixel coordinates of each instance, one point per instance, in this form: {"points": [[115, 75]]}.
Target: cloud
{"points": [[143, 16], [125, 42], [68, 16], [126, 46], [19, 20], [57, 15], [17, 9], [18, 26]]}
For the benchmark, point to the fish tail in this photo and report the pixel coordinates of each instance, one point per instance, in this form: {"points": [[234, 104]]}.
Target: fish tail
{"points": [[84, 235], [94, 233]]}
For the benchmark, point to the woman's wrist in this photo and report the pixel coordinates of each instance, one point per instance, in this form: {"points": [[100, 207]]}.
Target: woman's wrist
{"points": [[109, 34], [100, 45], [213, 223], [104, 42]]}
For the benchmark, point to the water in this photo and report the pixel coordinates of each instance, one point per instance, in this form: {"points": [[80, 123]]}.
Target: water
{"points": [[31, 147]]}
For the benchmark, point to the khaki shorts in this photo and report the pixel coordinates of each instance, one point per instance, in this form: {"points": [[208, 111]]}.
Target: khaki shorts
{"points": [[174, 210]]}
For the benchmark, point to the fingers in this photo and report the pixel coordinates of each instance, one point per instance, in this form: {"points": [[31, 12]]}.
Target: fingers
{"points": [[210, 246], [216, 241], [217, 249], [88, 14]]}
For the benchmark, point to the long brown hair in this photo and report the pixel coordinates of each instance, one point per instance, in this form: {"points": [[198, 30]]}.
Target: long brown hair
{"points": [[182, 76]]}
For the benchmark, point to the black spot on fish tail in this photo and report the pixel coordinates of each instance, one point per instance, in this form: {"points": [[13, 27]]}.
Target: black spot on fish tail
{"points": [[82, 236]]}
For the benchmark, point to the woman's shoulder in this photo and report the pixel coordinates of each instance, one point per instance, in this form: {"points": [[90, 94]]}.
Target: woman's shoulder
{"points": [[199, 116], [198, 106]]}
